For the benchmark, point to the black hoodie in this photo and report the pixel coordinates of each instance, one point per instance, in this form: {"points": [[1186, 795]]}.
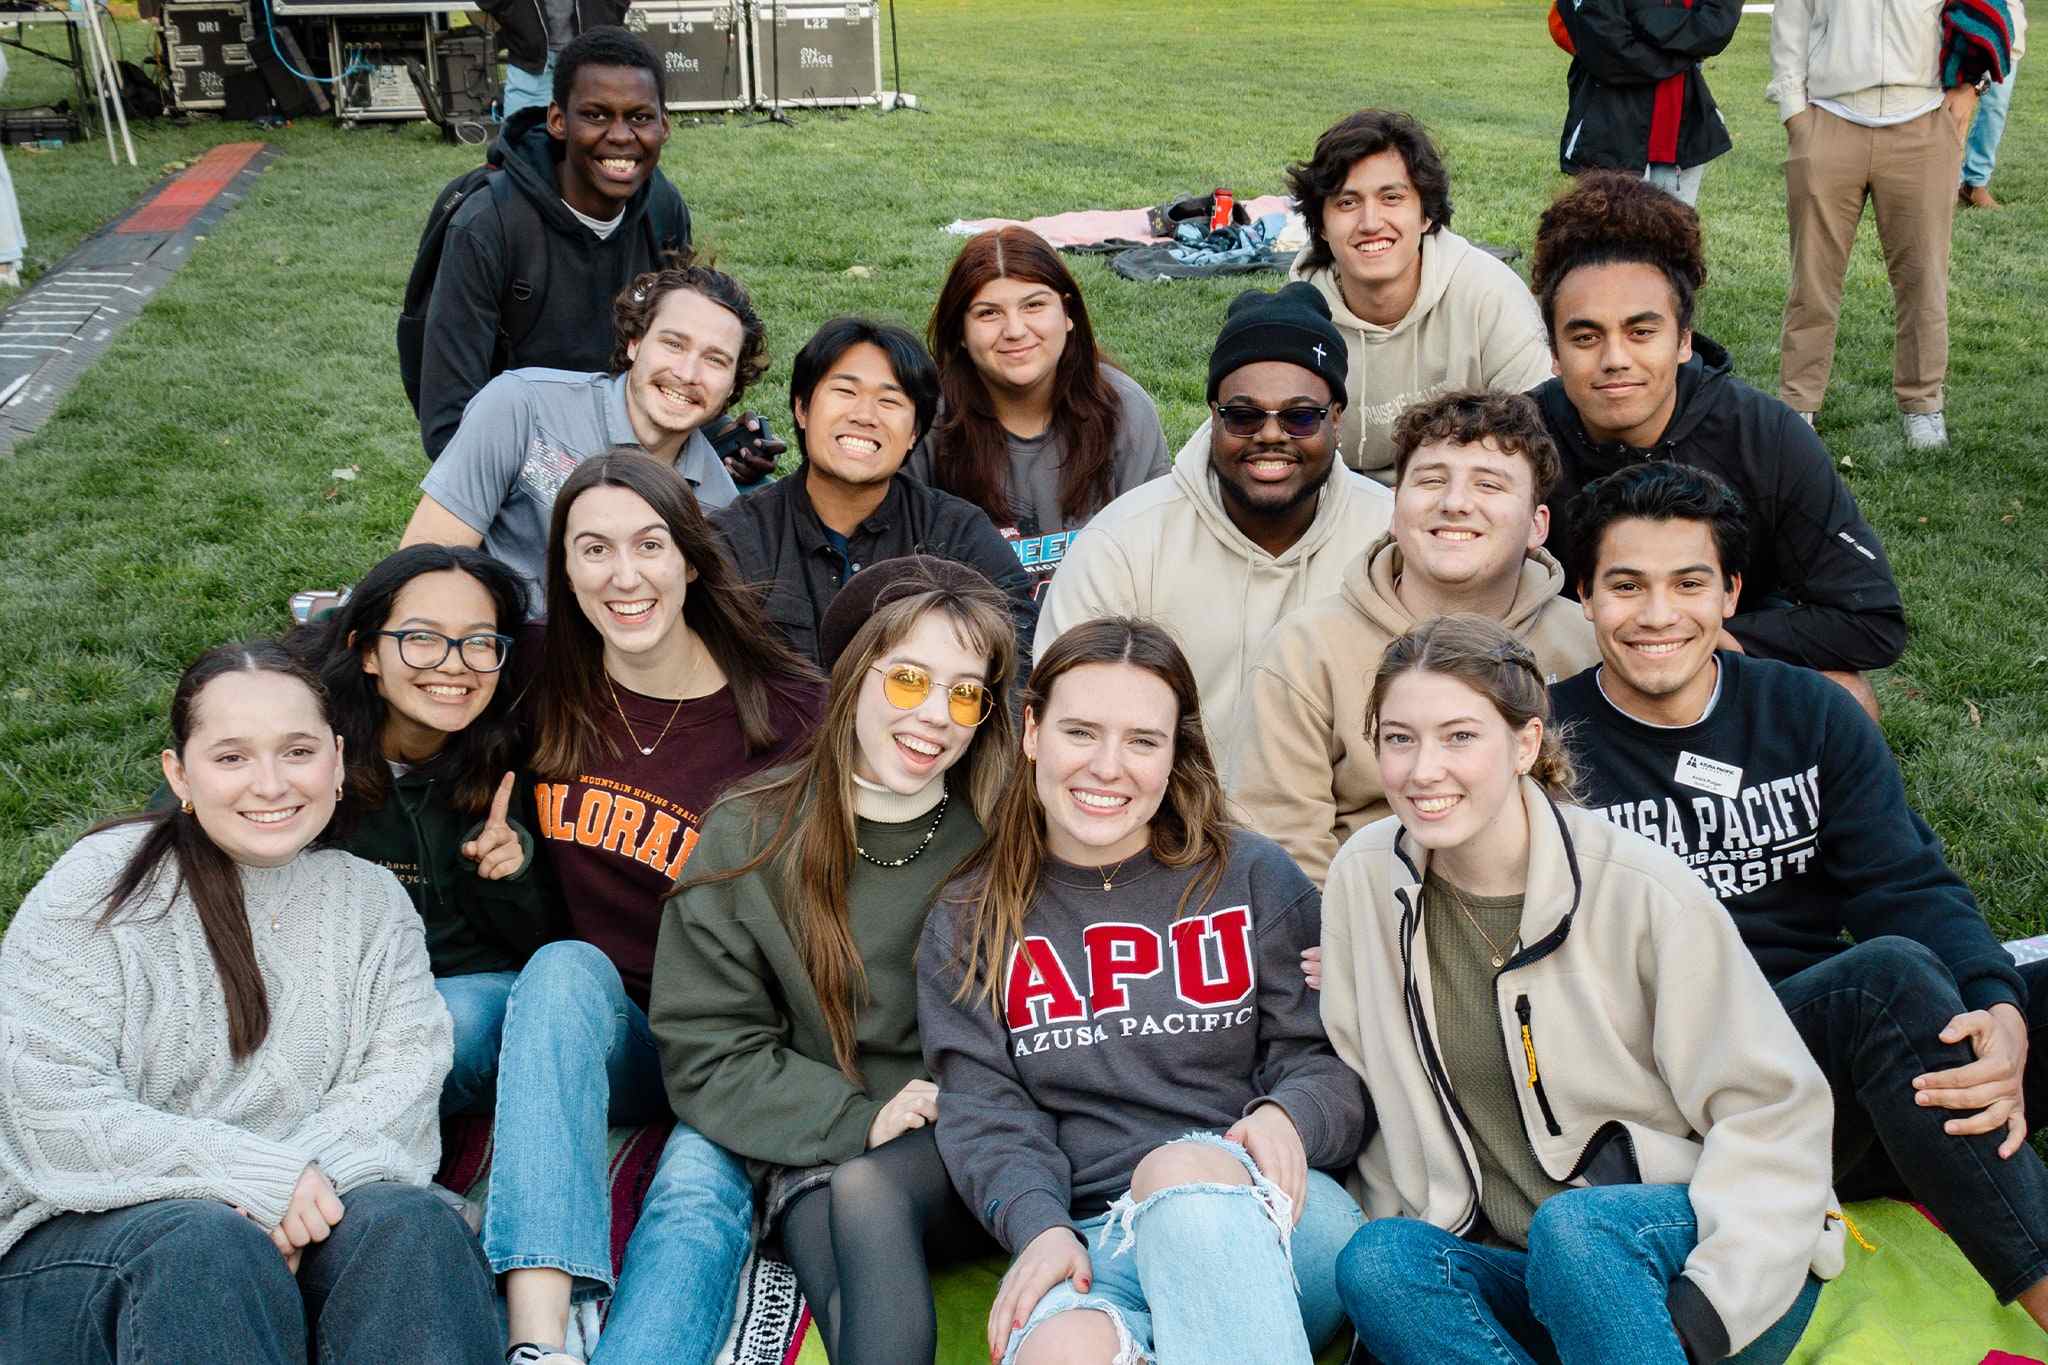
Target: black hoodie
{"points": [[583, 275], [1818, 590]]}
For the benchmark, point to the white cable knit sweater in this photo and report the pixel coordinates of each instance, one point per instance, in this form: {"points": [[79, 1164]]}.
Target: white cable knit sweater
{"points": [[116, 1084]]}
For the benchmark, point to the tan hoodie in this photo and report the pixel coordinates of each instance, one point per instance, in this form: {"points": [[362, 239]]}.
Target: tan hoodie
{"points": [[1304, 773], [1168, 550], [1474, 325], [1646, 1045]]}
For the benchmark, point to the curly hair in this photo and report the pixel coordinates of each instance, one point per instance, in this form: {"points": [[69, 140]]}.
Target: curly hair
{"points": [[634, 309], [608, 45], [1351, 140], [1614, 218], [1512, 421]]}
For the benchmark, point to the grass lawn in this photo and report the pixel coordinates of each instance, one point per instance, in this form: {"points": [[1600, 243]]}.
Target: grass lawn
{"points": [[184, 490]]}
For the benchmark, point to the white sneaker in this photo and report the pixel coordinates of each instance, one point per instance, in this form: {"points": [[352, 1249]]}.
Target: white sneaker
{"points": [[1924, 430], [526, 1353]]}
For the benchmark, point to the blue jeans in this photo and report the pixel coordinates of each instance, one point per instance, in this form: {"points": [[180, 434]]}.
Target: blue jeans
{"points": [[476, 1002], [1590, 1289], [577, 1057], [1201, 1273], [400, 1278], [524, 90], [1980, 153]]}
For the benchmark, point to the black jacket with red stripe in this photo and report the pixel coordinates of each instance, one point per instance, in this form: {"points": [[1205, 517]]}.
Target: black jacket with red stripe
{"points": [[1638, 96]]}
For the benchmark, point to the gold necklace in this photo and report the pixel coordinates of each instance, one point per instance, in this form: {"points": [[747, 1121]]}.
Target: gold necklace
{"points": [[646, 750], [1499, 954], [1114, 872]]}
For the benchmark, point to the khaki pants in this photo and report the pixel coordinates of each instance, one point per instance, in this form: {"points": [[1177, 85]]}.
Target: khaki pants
{"points": [[1908, 172]]}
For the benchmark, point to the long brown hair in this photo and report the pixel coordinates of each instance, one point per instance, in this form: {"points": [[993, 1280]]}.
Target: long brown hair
{"points": [[199, 867], [971, 451], [806, 808], [725, 613], [1480, 652], [1191, 826]]}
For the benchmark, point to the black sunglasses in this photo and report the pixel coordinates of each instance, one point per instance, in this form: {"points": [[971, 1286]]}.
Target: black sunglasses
{"points": [[1245, 419]]}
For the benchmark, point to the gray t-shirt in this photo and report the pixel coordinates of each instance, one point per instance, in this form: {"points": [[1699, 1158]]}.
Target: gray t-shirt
{"points": [[1036, 529], [520, 438]]}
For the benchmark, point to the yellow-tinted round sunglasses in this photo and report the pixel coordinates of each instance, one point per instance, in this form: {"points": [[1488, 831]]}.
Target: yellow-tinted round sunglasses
{"points": [[906, 686]]}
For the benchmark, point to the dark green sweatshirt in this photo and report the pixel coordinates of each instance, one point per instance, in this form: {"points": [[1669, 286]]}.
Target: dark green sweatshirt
{"points": [[473, 925], [743, 1041]]}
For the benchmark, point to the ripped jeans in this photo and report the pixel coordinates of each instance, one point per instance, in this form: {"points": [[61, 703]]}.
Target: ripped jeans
{"points": [[1213, 1273]]}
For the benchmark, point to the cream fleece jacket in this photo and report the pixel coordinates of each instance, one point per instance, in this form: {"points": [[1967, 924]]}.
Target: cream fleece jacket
{"points": [[119, 1087], [1303, 772], [1474, 325], [1168, 550], [1655, 1052]]}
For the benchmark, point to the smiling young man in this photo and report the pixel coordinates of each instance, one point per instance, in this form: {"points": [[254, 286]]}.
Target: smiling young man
{"points": [[861, 394], [1616, 267], [1421, 310], [1257, 517], [580, 203], [1470, 469], [1780, 794], [687, 344]]}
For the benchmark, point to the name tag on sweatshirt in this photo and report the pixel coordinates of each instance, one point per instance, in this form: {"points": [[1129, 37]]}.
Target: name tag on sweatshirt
{"points": [[1709, 775]]}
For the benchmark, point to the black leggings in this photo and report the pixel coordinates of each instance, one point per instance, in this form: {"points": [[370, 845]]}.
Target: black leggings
{"points": [[859, 1247]]}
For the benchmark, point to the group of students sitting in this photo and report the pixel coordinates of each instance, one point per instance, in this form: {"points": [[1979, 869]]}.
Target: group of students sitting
{"points": [[1337, 922]]}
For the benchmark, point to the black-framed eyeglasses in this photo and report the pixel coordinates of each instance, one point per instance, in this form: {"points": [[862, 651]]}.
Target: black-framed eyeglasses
{"points": [[484, 652], [1246, 419]]}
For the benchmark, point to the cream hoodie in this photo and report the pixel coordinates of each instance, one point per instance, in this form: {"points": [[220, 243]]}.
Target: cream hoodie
{"points": [[1474, 325], [1647, 1049], [1168, 550], [1304, 773]]}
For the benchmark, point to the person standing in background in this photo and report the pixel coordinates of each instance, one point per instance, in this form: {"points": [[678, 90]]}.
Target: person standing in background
{"points": [[534, 32], [1638, 96], [14, 241], [1980, 153], [1876, 100]]}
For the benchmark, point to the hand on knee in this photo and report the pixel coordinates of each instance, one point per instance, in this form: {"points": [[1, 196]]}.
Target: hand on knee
{"points": [[1185, 1163]]}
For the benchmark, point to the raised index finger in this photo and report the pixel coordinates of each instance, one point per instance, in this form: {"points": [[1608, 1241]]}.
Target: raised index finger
{"points": [[501, 804]]}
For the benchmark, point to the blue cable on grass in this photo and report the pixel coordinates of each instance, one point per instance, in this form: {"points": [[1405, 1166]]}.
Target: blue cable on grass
{"points": [[356, 65]]}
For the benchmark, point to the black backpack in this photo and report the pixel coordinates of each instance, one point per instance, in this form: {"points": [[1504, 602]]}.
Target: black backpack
{"points": [[526, 282]]}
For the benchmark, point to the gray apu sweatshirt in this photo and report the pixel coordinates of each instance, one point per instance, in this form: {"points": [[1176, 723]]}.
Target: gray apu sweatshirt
{"points": [[1123, 1028]]}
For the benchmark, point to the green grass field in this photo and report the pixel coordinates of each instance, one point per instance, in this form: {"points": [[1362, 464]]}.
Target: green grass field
{"points": [[184, 491]]}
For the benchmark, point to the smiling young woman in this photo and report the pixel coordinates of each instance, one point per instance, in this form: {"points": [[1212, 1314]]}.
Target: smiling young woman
{"points": [[222, 1054], [784, 995], [657, 688], [1584, 1085], [413, 662], [1126, 1053], [1037, 426]]}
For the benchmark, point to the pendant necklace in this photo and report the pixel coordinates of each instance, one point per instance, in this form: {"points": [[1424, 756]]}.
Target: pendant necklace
{"points": [[646, 750], [1114, 872], [1499, 954], [923, 844]]}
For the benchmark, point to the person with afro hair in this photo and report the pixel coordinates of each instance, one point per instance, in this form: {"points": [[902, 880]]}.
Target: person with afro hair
{"points": [[1617, 268]]}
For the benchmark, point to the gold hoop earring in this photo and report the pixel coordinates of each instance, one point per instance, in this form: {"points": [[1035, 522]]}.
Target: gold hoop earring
{"points": [[185, 807], [337, 793]]}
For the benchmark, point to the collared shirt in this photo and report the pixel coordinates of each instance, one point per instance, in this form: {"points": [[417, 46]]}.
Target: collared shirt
{"points": [[520, 438], [779, 542]]}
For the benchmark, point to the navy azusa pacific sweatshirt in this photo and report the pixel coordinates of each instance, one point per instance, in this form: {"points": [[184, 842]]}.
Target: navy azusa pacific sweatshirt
{"points": [[1786, 802]]}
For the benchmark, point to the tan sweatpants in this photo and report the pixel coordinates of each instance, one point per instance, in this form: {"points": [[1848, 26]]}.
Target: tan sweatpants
{"points": [[1908, 172]]}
